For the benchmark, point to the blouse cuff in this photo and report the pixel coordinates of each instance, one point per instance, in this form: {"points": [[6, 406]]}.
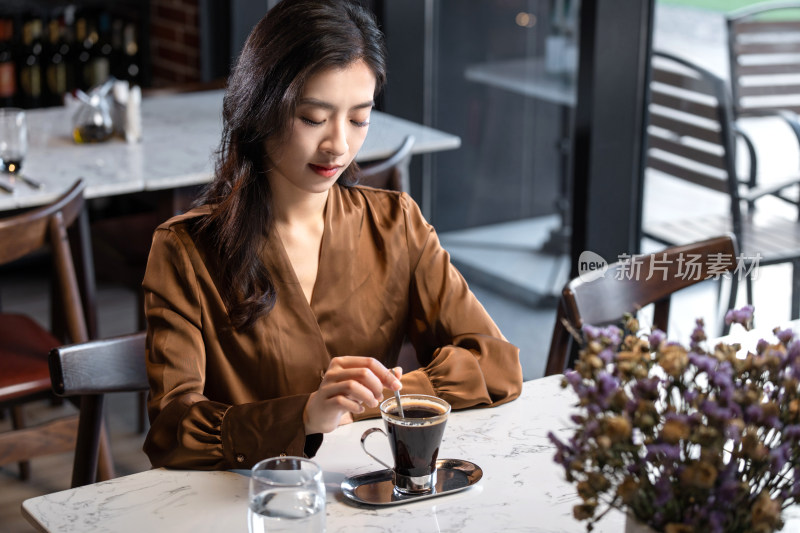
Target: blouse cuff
{"points": [[255, 431]]}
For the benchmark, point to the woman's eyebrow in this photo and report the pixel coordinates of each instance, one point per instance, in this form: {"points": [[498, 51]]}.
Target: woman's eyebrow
{"points": [[327, 105]]}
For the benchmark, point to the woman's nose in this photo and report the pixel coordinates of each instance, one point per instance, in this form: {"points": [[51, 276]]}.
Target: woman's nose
{"points": [[335, 142]]}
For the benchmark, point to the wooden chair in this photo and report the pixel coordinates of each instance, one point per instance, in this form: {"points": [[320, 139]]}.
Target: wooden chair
{"points": [[89, 371], [630, 285], [763, 45], [392, 172], [692, 136], [24, 343]]}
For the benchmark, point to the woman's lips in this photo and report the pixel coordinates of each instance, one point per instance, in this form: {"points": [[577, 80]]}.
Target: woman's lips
{"points": [[324, 171]]}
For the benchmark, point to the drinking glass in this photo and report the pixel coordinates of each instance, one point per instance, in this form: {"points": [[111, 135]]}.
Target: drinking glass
{"points": [[287, 495], [13, 139]]}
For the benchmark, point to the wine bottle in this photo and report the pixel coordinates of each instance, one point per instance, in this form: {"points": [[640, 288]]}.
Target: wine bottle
{"points": [[101, 60], [56, 65], [93, 60], [117, 52], [131, 56], [8, 68], [30, 75], [82, 54]]}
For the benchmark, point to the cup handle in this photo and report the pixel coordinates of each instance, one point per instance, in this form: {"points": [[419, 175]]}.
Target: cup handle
{"points": [[366, 434]]}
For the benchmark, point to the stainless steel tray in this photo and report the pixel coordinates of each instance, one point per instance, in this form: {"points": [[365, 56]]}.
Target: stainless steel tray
{"points": [[376, 488]]}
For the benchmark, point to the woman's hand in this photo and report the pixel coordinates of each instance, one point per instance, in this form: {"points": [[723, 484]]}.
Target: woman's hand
{"points": [[349, 384]]}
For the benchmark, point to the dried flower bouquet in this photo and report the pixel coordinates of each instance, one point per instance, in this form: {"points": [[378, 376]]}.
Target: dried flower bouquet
{"points": [[687, 440]]}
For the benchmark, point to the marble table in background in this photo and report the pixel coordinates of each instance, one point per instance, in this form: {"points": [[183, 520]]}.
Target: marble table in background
{"points": [[180, 134]]}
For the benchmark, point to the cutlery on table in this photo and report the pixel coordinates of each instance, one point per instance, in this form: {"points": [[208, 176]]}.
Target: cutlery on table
{"points": [[36, 184]]}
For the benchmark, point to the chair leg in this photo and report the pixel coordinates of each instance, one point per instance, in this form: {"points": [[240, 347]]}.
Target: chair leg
{"points": [[105, 462], [141, 406], [795, 290], [141, 397], [18, 422]]}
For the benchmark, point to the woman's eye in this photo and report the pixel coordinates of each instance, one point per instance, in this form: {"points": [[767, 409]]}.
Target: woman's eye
{"points": [[311, 122], [360, 124]]}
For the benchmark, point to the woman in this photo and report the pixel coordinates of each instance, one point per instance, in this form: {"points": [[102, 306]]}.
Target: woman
{"points": [[277, 306]]}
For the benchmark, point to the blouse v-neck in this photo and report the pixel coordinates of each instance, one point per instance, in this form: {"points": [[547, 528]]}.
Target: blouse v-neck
{"points": [[293, 280]]}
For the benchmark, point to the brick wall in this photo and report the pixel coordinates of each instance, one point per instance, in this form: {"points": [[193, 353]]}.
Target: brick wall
{"points": [[174, 42]]}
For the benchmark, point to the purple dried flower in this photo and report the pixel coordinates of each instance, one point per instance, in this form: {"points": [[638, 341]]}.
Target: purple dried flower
{"points": [[713, 409], [663, 491], [761, 345], [780, 456], [606, 384], [656, 337], [753, 414], [733, 432], [607, 355], [785, 335], [743, 316], [591, 427], [698, 334], [614, 336], [796, 483], [591, 332], [573, 378], [646, 389], [662, 451], [716, 521], [729, 485], [793, 354], [791, 432], [690, 395], [703, 363]]}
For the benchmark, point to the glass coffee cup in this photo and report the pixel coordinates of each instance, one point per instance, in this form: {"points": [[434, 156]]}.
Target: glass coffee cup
{"points": [[415, 439]]}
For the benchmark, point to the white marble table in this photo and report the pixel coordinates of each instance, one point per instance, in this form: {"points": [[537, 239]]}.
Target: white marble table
{"points": [[522, 489], [525, 76], [180, 134]]}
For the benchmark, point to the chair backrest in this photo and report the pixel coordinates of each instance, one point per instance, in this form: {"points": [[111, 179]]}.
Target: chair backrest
{"points": [[25, 233], [391, 173], [763, 50], [630, 285], [90, 370], [690, 132]]}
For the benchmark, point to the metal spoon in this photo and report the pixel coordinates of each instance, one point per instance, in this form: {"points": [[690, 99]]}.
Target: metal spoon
{"points": [[399, 405]]}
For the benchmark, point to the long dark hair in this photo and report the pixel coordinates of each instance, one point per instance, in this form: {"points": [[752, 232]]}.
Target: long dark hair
{"points": [[295, 40]]}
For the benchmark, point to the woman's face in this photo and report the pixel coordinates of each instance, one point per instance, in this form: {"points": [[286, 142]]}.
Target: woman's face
{"points": [[328, 128]]}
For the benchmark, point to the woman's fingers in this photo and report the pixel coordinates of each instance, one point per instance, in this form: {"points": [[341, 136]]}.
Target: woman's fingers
{"points": [[388, 378], [363, 376], [351, 390], [349, 384]]}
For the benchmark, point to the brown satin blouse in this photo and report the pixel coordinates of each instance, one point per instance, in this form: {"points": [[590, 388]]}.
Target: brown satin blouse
{"points": [[222, 398]]}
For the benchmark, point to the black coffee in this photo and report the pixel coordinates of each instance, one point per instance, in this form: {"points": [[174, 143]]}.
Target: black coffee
{"points": [[416, 448]]}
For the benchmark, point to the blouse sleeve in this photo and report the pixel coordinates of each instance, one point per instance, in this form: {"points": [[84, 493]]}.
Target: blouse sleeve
{"points": [[188, 430], [466, 360]]}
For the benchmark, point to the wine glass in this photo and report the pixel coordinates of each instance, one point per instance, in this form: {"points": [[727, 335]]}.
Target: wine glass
{"points": [[13, 140], [287, 494]]}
